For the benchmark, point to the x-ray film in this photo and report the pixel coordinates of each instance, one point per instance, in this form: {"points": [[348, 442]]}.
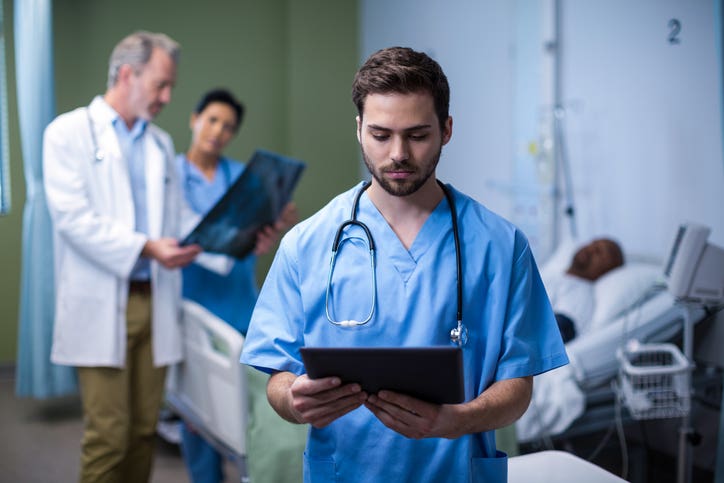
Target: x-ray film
{"points": [[254, 200]]}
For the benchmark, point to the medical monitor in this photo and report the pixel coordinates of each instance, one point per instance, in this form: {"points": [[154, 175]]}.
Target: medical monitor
{"points": [[694, 269]]}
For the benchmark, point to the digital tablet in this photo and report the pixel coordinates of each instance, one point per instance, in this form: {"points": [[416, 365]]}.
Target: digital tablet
{"points": [[433, 374]]}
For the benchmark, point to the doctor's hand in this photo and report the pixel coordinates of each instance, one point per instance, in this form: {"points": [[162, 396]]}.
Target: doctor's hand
{"points": [[168, 252], [314, 401], [267, 237], [413, 417]]}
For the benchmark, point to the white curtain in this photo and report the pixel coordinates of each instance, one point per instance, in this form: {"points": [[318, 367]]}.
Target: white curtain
{"points": [[4, 158], [36, 376]]}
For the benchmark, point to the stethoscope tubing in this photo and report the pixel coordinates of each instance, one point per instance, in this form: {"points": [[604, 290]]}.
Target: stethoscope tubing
{"points": [[458, 335]]}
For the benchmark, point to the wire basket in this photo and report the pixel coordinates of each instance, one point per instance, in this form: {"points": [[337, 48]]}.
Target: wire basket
{"points": [[653, 381]]}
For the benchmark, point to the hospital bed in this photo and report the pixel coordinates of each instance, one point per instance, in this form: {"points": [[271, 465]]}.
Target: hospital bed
{"points": [[631, 303], [209, 389]]}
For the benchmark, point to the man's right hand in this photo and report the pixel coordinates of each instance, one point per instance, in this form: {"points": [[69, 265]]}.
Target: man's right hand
{"points": [[315, 401], [168, 252]]}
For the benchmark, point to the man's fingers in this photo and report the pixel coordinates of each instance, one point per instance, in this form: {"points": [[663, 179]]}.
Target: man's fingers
{"points": [[320, 416]]}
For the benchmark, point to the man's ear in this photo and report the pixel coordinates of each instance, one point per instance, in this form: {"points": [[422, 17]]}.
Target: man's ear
{"points": [[192, 120], [359, 129], [125, 71], [447, 130]]}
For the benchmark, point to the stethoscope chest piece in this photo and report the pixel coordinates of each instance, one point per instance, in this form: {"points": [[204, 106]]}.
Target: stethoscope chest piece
{"points": [[459, 335]]}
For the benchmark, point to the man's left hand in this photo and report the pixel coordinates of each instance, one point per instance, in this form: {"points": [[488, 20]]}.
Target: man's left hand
{"points": [[412, 417]]}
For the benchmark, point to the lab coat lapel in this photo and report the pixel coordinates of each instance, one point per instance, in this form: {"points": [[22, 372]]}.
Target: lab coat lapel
{"points": [[112, 169], [155, 161]]}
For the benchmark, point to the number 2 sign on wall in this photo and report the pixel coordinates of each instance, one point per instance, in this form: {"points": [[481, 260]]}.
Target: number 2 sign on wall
{"points": [[674, 31]]}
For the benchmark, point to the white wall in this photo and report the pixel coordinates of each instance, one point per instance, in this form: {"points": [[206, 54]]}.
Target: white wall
{"points": [[645, 141], [471, 41], [643, 116]]}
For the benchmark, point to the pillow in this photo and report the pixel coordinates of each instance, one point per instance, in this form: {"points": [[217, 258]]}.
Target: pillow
{"points": [[617, 290], [558, 261]]}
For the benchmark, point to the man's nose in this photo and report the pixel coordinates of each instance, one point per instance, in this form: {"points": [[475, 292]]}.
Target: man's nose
{"points": [[399, 151], [165, 96]]}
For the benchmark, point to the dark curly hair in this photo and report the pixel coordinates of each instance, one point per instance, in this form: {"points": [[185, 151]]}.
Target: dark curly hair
{"points": [[225, 97]]}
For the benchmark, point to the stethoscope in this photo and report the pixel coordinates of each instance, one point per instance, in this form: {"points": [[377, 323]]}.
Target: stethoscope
{"points": [[459, 333], [98, 154]]}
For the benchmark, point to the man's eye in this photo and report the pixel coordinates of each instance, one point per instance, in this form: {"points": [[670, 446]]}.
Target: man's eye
{"points": [[418, 137], [381, 137]]}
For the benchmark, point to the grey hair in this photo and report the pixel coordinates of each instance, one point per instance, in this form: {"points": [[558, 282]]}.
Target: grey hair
{"points": [[135, 50]]}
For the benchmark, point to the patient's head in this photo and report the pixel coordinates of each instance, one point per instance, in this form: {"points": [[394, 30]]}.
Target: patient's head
{"points": [[595, 259]]}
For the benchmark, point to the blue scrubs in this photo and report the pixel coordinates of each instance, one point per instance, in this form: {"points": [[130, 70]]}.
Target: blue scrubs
{"points": [[512, 330], [230, 297]]}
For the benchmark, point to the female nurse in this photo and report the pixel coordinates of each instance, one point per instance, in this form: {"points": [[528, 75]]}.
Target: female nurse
{"points": [[205, 176]]}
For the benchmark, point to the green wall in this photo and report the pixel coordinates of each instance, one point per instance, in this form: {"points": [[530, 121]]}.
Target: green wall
{"points": [[290, 61], [10, 225]]}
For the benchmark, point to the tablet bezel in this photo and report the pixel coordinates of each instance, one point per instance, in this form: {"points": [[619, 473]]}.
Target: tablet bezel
{"points": [[433, 374]]}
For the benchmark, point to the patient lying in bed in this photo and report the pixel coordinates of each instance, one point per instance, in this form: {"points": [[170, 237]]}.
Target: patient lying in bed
{"points": [[627, 302], [571, 293]]}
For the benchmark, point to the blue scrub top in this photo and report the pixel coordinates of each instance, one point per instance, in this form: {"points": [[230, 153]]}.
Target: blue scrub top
{"points": [[230, 297], [512, 330]]}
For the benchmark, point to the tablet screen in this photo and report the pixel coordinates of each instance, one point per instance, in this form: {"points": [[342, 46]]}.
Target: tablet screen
{"points": [[433, 374]]}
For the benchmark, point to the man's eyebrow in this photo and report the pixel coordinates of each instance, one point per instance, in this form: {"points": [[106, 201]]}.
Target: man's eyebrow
{"points": [[416, 127]]}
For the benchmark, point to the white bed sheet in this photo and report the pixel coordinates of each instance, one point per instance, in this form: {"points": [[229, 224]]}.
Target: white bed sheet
{"points": [[559, 396]]}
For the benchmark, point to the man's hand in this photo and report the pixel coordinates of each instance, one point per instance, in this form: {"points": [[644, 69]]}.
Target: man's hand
{"points": [[267, 237], [412, 417], [499, 405], [168, 252], [314, 401]]}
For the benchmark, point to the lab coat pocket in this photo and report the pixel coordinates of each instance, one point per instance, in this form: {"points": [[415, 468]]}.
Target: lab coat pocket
{"points": [[80, 319], [490, 470], [319, 469]]}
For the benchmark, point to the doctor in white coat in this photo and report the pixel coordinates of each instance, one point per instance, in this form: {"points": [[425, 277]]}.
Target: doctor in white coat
{"points": [[116, 210]]}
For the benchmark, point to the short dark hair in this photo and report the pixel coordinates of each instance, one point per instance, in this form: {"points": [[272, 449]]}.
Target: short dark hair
{"points": [[225, 97], [402, 70]]}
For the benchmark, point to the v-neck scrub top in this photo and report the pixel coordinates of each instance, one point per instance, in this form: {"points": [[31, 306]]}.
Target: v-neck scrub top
{"points": [[511, 327]]}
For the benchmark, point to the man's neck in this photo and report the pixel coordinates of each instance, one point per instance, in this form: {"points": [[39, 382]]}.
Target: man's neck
{"points": [[114, 99], [407, 214]]}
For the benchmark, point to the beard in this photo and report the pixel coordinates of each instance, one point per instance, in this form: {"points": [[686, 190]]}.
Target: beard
{"points": [[405, 187]]}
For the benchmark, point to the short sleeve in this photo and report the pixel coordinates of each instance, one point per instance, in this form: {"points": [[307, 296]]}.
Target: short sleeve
{"points": [[532, 343], [276, 329]]}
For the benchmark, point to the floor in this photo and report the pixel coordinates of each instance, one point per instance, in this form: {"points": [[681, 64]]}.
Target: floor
{"points": [[42, 438]]}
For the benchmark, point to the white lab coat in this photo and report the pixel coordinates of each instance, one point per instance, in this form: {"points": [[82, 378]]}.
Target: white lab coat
{"points": [[95, 245]]}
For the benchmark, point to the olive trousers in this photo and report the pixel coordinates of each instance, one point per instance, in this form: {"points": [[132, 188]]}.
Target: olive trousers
{"points": [[121, 406]]}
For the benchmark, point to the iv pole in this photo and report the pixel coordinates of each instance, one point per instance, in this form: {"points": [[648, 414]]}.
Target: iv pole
{"points": [[559, 145]]}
